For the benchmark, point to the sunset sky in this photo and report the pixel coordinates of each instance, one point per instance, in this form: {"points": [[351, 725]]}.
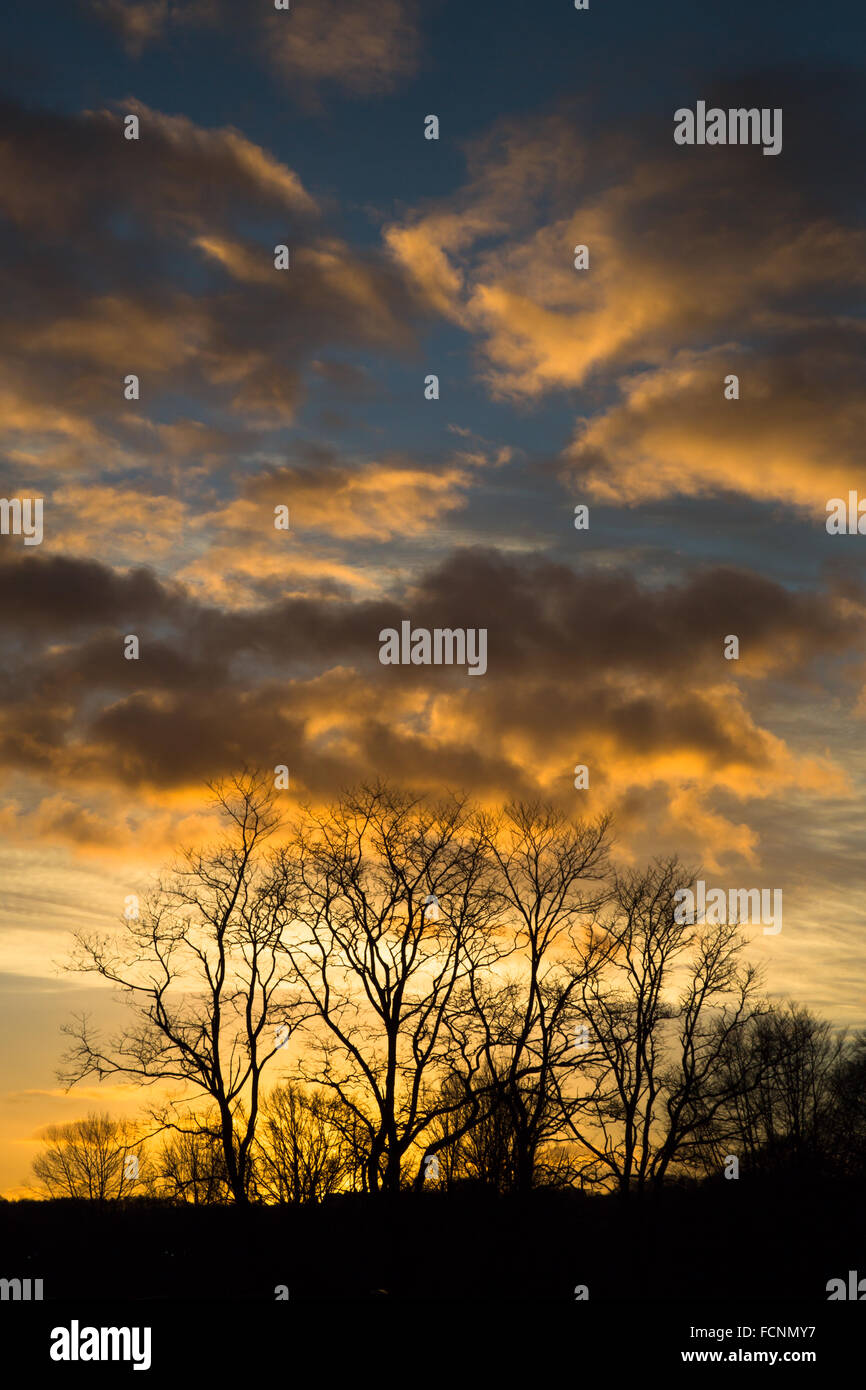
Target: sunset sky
{"points": [[305, 388]]}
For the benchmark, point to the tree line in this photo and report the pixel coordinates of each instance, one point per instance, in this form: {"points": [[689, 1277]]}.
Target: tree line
{"points": [[393, 993]]}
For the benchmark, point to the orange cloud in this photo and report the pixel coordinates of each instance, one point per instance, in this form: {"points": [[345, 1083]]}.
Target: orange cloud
{"points": [[497, 257], [795, 433]]}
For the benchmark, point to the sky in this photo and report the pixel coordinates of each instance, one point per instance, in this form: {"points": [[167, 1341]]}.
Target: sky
{"points": [[304, 388]]}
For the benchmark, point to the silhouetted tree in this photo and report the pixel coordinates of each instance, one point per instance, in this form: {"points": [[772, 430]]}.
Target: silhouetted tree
{"points": [[848, 1086], [481, 1137], [480, 989], [478, 1141], [190, 1166], [518, 1025], [662, 1013], [388, 896], [205, 976], [301, 1154], [97, 1158], [779, 1075]]}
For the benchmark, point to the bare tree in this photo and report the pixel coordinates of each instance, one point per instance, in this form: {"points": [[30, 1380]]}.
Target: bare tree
{"points": [[848, 1130], [478, 1141], [204, 974], [662, 1014], [778, 1075], [523, 1020], [473, 1137], [190, 1166], [97, 1158], [388, 894], [302, 1155]]}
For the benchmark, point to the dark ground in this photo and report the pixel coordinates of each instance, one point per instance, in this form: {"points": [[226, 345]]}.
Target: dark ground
{"points": [[727, 1240]]}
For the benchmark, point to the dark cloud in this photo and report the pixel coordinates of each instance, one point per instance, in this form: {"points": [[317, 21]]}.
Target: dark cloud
{"points": [[367, 47], [581, 655], [59, 595], [138, 256]]}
